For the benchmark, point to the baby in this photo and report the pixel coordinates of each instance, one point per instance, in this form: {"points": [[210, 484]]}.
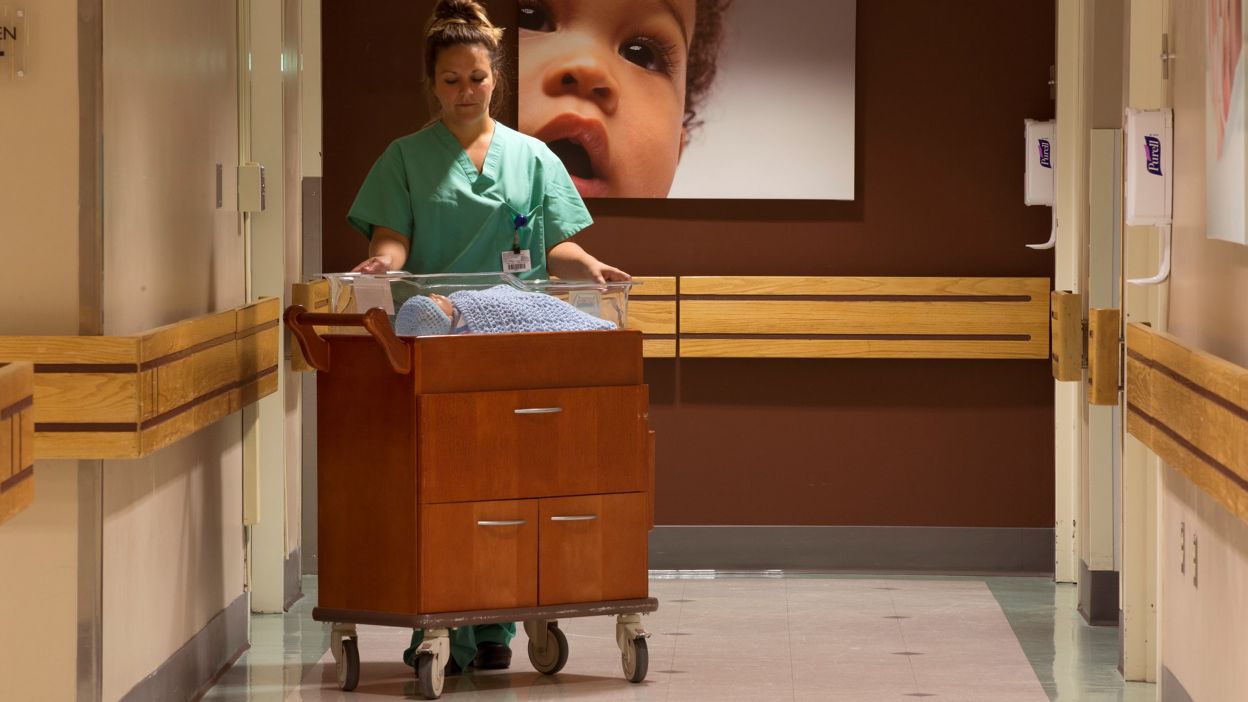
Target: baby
{"points": [[613, 88], [499, 310]]}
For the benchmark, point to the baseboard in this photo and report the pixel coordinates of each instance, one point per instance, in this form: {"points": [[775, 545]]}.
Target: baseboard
{"points": [[1171, 689], [292, 585], [853, 548], [1098, 596], [193, 667]]}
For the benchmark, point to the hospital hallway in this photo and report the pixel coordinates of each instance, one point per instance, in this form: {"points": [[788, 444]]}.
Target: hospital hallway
{"points": [[751, 636]]}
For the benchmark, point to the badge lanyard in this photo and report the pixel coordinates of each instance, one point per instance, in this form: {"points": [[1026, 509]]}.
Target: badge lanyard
{"points": [[520, 222], [517, 260]]}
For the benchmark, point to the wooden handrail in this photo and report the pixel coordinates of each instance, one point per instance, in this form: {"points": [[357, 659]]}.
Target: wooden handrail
{"points": [[118, 397], [1191, 409], [855, 317]]}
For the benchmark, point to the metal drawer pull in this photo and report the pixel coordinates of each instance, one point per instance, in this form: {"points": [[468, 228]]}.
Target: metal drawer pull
{"points": [[540, 410], [577, 518], [508, 522]]}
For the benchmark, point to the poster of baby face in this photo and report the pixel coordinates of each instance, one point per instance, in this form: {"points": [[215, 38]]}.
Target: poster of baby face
{"points": [[693, 98], [1225, 114]]}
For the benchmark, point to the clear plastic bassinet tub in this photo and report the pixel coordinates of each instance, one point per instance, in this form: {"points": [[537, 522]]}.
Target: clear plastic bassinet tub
{"points": [[355, 293]]}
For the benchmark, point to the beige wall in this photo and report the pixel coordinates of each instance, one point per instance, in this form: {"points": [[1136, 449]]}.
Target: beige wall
{"points": [[173, 540], [39, 589], [39, 238], [39, 179], [1202, 622]]}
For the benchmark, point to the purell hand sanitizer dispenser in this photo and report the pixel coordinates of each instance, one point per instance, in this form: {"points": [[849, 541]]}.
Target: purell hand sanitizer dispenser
{"points": [[1039, 180], [1150, 161], [1038, 187], [1149, 175]]}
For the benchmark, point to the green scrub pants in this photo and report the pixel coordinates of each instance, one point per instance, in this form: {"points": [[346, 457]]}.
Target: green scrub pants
{"points": [[464, 641]]}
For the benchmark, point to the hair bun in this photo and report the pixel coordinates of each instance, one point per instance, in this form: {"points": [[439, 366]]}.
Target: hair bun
{"points": [[461, 11]]}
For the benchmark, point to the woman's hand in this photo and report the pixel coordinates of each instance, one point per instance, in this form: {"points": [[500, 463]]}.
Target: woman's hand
{"points": [[387, 252], [569, 261], [377, 265], [602, 273]]}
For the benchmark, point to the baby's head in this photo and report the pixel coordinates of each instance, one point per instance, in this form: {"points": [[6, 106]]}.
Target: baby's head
{"points": [[614, 87], [425, 316]]}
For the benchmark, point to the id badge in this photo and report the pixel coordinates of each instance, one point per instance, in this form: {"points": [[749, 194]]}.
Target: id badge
{"points": [[514, 262]]}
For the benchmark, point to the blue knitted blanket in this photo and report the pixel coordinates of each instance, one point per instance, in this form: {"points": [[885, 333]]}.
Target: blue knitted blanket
{"points": [[498, 310]]}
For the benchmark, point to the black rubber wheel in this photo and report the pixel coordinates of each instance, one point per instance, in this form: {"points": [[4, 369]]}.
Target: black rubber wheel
{"points": [[555, 656], [636, 660], [349, 671], [430, 677]]}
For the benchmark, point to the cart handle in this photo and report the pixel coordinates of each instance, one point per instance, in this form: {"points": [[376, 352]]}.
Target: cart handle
{"points": [[316, 349]]}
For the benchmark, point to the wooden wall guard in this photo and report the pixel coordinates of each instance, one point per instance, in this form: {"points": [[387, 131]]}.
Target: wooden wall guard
{"points": [[117, 397], [1191, 409], [831, 317], [1104, 351], [17, 439], [652, 310], [1066, 332]]}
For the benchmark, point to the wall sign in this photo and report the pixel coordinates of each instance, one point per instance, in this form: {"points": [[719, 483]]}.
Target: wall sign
{"points": [[14, 43]]}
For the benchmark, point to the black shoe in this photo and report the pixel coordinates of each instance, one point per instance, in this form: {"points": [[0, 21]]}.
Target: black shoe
{"points": [[492, 656]]}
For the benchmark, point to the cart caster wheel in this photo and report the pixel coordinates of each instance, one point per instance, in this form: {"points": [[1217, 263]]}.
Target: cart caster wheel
{"points": [[636, 660], [555, 656], [349, 665], [430, 676]]}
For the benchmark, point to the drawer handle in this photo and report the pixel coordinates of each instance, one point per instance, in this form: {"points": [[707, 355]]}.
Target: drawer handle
{"points": [[506, 522], [575, 518], [540, 410]]}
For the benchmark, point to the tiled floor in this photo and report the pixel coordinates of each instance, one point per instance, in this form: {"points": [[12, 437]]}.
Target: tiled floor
{"points": [[798, 637]]}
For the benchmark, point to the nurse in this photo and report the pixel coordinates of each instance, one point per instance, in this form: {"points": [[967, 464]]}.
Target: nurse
{"points": [[467, 194]]}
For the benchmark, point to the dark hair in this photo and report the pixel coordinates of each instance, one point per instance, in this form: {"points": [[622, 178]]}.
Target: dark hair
{"points": [[456, 22], [708, 36]]}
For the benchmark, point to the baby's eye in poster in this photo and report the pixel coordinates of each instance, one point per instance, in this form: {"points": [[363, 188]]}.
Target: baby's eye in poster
{"points": [[693, 98]]}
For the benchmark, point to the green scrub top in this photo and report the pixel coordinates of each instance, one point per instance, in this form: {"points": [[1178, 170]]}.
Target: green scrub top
{"points": [[457, 220]]}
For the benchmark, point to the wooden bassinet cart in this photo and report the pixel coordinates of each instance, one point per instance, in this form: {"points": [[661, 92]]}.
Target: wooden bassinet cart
{"points": [[479, 479]]}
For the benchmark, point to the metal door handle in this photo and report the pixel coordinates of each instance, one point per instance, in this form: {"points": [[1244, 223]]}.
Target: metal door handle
{"points": [[577, 518], [540, 410], [507, 522]]}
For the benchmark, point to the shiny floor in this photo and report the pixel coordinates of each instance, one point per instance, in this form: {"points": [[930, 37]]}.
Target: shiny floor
{"points": [[753, 637]]}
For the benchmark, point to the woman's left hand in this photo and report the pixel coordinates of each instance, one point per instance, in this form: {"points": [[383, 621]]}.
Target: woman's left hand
{"points": [[569, 261], [602, 273]]}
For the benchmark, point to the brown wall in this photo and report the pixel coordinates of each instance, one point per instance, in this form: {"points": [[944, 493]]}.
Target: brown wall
{"points": [[932, 443]]}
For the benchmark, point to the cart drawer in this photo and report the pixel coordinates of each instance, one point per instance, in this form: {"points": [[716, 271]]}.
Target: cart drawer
{"points": [[593, 548], [478, 555], [532, 443]]}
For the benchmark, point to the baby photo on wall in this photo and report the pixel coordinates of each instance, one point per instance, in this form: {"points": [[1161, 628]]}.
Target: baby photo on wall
{"points": [[1225, 115], [693, 98]]}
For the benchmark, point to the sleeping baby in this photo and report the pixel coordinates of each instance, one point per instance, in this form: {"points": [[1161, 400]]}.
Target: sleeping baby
{"points": [[501, 309]]}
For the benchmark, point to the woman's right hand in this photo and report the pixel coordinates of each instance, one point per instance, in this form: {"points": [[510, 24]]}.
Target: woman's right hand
{"points": [[376, 265], [387, 252]]}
